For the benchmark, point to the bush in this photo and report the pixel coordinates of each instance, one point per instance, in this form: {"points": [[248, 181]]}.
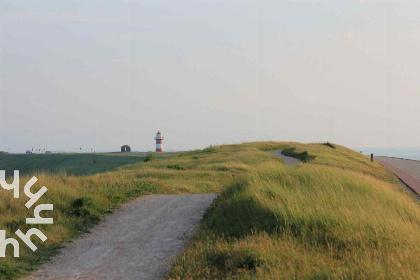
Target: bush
{"points": [[85, 207], [150, 157], [303, 156], [328, 144], [8, 271]]}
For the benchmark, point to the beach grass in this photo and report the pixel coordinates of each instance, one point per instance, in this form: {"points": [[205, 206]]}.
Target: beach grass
{"points": [[337, 216]]}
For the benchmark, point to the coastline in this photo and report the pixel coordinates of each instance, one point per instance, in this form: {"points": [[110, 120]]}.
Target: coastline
{"points": [[408, 153]]}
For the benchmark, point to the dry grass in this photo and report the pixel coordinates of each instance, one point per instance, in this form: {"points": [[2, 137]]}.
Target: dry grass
{"points": [[314, 221], [80, 201], [338, 216]]}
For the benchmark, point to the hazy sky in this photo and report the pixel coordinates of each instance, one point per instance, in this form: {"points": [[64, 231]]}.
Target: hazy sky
{"points": [[99, 74]]}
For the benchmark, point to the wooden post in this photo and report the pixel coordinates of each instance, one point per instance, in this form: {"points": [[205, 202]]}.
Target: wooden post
{"points": [[371, 157]]}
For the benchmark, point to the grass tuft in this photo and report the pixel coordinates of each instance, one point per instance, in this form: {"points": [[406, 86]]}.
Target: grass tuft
{"points": [[176, 167]]}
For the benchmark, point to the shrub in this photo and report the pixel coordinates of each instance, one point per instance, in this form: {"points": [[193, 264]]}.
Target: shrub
{"points": [[328, 144], [150, 157], [8, 271], [303, 156], [85, 207]]}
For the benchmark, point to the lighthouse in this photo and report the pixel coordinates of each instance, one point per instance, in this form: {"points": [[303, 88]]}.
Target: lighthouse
{"points": [[159, 139]]}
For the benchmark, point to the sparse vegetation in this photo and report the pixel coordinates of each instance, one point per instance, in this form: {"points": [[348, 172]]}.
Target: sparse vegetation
{"points": [[339, 216], [176, 167], [150, 157]]}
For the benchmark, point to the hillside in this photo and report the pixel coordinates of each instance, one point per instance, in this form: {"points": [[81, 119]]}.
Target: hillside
{"points": [[337, 216]]}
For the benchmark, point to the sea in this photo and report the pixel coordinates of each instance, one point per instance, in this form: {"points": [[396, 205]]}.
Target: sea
{"points": [[399, 152]]}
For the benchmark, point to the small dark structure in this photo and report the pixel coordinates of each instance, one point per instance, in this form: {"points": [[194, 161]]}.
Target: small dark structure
{"points": [[125, 148]]}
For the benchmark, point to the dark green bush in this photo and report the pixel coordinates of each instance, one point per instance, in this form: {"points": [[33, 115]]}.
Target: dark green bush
{"points": [[150, 157], [303, 156], [8, 271], [328, 144], [86, 208]]}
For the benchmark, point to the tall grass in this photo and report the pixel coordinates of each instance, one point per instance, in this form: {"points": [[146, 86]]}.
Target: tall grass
{"points": [[310, 222], [80, 201], [338, 216]]}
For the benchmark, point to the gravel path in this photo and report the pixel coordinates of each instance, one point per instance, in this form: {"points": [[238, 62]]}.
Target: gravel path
{"points": [[407, 170], [133, 243], [290, 161]]}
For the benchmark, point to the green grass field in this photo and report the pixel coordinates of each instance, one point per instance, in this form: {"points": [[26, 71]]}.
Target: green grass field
{"points": [[72, 164], [338, 216]]}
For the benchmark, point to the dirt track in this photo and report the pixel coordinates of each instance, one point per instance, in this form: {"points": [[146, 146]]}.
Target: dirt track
{"points": [[290, 161], [133, 243]]}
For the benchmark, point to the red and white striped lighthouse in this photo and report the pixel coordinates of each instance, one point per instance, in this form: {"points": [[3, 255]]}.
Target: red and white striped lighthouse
{"points": [[159, 139]]}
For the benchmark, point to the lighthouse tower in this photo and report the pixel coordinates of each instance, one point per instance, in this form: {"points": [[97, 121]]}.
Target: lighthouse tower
{"points": [[159, 139]]}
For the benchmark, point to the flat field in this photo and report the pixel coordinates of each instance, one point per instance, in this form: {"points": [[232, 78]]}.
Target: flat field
{"points": [[72, 164]]}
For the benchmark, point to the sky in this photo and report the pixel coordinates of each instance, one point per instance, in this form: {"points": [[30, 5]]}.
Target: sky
{"points": [[100, 74]]}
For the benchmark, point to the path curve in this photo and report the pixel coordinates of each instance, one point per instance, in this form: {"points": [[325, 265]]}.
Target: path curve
{"points": [[133, 243], [407, 170], [290, 161]]}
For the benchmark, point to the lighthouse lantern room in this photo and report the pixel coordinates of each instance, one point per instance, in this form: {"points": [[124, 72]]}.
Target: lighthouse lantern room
{"points": [[159, 139]]}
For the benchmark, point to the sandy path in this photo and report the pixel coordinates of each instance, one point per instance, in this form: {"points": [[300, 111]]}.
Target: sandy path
{"points": [[407, 170], [133, 243], [290, 161]]}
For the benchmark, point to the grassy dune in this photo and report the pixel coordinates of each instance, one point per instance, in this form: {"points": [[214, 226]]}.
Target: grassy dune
{"points": [[80, 201], [338, 216]]}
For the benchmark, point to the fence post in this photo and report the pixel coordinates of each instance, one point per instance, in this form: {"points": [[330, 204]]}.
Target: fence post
{"points": [[371, 157]]}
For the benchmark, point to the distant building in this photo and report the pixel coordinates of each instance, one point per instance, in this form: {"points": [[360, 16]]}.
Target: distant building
{"points": [[125, 148], [159, 144], [28, 152]]}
